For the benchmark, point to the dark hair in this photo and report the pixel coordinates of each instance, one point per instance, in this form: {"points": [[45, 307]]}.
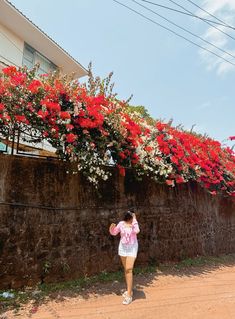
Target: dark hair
{"points": [[128, 215]]}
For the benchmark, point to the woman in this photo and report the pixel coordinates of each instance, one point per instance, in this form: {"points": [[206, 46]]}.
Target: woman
{"points": [[127, 249]]}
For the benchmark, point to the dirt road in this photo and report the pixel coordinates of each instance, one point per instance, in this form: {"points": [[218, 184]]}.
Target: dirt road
{"points": [[207, 293]]}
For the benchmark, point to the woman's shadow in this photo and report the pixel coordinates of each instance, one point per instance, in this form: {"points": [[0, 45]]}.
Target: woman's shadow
{"points": [[138, 294]]}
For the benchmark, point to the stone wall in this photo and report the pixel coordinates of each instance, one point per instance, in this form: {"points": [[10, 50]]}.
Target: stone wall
{"points": [[53, 226]]}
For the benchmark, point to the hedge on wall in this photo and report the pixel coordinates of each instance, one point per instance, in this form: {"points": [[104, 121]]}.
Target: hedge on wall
{"points": [[96, 130]]}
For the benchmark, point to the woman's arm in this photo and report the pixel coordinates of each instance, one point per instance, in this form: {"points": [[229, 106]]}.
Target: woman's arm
{"points": [[114, 229], [135, 225]]}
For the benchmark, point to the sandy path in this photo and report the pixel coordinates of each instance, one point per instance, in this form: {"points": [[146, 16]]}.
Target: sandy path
{"points": [[205, 295]]}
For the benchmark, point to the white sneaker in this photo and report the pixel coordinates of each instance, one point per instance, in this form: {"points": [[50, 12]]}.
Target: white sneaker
{"points": [[127, 300], [124, 295]]}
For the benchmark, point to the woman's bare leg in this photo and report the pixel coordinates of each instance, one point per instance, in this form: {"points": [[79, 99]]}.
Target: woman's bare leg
{"points": [[123, 259], [129, 274]]}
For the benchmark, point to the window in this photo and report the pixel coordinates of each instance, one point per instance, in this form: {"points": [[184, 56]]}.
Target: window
{"points": [[28, 57], [31, 57]]}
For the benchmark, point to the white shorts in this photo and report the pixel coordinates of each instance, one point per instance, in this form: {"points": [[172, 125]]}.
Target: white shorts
{"points": [[125, 250]]}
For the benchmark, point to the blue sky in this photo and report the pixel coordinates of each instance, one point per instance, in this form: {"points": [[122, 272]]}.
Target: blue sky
{"points": [[169, 76]]}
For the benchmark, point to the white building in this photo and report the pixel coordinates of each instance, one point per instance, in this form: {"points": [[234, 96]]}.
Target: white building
{"points": [[23, 43]]}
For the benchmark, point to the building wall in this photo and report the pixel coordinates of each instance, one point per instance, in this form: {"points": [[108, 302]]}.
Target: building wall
{"points": [[54, 227], [11, 47], [2, 65]]}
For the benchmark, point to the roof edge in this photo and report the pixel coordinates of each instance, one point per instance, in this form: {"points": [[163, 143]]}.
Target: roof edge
{"points": [[47, 36]]}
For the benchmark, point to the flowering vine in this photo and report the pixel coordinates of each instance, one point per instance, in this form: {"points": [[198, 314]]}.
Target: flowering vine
{"points": [[94, 129]]}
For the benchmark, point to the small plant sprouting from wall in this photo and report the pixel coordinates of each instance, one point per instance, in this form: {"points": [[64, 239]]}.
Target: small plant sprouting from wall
{"points": [[46, 267]]}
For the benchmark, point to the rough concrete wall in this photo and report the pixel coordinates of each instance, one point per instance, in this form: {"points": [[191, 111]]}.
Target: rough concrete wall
{"points": [[53, 226]]}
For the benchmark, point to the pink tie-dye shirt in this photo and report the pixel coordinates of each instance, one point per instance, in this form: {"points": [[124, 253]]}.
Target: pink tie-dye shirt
{"points": [[127, 233]]}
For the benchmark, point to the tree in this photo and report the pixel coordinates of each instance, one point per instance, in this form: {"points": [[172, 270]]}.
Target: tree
{"points": [[142, 112]]}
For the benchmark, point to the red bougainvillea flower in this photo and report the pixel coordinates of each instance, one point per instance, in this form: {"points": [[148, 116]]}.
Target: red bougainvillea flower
{"points": [[170, 182], [179, 179], [122, 155], [45, 134], [51, 106], [34, 86], [134, 158], [21, 118], [18, 79], [69, 127], [65, 115], [161, 126], [43, 114], [70, 138], [148, 148], [232, 138], [213, 192], [11, 70]]}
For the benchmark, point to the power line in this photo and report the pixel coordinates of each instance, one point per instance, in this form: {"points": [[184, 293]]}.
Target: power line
{"points": [[184, 29], [27, 205], [172, 31], [188, 14], [213, 26], [196, 5]]}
